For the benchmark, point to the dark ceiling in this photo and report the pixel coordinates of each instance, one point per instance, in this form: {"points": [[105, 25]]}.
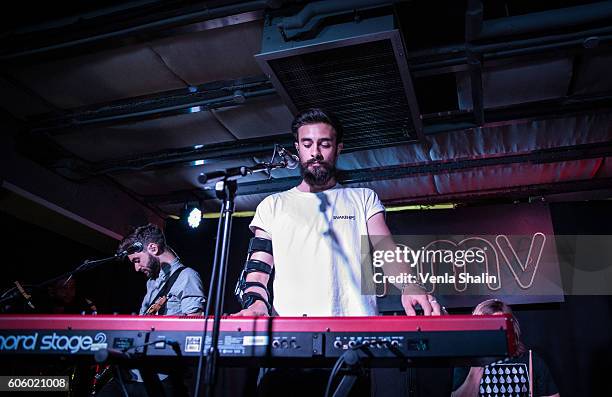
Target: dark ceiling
{"points": [[121, 105]]}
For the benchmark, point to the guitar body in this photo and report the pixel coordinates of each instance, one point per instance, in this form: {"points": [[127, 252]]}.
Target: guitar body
{"points": [[157, 306]]}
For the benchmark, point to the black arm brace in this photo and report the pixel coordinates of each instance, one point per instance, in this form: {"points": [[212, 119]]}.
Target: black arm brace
{"points": [[246, 299]]}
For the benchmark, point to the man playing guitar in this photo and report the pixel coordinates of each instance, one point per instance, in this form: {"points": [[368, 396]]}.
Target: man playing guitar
{"points": [[172, 290]]}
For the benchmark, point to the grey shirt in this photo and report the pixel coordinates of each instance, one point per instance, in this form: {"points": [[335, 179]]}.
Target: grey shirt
{"points": [[186, 296]]}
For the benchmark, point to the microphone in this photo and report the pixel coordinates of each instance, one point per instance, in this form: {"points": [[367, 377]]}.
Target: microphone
{"points": [[210, 177], [132, 249], [290, 159], [228, 174]]}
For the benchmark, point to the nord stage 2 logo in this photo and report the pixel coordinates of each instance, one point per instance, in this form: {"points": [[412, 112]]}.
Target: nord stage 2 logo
{"points": [[51, 342]]}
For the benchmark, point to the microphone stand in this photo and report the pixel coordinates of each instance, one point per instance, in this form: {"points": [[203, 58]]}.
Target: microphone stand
{"points": [[87, 264], [225, 188]]}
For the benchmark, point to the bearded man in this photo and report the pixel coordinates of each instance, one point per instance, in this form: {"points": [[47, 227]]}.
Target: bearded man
{"points": [[162, 267], [310, 238]]}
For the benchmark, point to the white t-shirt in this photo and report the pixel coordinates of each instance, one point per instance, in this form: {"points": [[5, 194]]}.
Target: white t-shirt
{"points": [[316, 239]]}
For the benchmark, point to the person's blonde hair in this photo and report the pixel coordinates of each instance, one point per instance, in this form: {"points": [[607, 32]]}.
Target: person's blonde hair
{"points": [[495, 306]]}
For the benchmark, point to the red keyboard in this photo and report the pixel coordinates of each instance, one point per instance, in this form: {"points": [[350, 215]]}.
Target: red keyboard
{"points": [[311, 341]]}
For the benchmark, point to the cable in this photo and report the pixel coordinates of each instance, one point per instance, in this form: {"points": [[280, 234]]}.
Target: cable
{"points": [[5, 293], [120, 381], [333, 373], [339, 362]]}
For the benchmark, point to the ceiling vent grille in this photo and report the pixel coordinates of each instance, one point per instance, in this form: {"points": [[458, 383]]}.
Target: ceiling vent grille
{"points": [[364, 80]]}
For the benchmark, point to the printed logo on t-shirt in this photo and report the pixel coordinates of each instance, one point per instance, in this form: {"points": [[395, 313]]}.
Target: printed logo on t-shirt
{"points": [[508, 380], [347, 217]]}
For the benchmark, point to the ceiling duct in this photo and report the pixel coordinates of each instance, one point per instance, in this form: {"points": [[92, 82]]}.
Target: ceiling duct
{"points": [[353, 65]]}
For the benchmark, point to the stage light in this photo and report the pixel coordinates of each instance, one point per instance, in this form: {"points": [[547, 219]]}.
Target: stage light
{"points": [[194, 218], [191, 215]]}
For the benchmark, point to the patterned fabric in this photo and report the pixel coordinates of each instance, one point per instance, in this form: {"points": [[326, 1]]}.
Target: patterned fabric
{"points": [[511, 378], [505, 380]]}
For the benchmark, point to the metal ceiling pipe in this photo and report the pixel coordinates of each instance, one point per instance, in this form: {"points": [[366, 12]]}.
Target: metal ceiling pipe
{"points": [[475, 68], [227, 100], [453, 50], [546, 20], [313, 15], [587, 42], [473, 20], [79, 18], [164, 23], [473, 26], [318, 8], [184, 157], [455, 55], [66, 122]]}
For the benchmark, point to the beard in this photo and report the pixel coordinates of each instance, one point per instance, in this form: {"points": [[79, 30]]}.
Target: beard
{"points": [[154, 265], [318, 176]]}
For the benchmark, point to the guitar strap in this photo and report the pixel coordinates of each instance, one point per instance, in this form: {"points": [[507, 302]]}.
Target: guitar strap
{"points": [[167, 285]]}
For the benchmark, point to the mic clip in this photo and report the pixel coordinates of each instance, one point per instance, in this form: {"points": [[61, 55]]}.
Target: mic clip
{"points": [[290, 160]]}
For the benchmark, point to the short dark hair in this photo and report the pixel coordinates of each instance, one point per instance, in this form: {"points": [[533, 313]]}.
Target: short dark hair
{"points": [[317, 115], [145, 235]]}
